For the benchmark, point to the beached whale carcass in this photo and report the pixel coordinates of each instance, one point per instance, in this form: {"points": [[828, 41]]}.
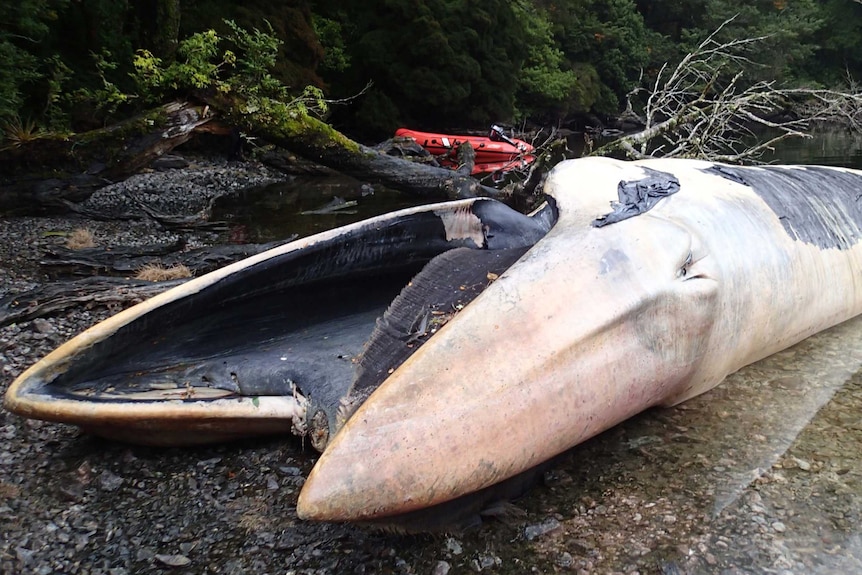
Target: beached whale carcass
{"points": [[515, 338]]}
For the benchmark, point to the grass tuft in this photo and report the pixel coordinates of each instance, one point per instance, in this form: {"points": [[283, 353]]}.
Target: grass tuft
{"points": [[81, 238], [159, 273]]}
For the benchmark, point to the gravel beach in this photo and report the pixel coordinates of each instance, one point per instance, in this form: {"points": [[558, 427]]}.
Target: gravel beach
{"points": [[727, 483]]}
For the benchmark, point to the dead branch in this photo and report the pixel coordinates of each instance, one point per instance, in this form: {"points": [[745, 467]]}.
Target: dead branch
{"points": [[81, 163], [702, 109], [127, 260]]}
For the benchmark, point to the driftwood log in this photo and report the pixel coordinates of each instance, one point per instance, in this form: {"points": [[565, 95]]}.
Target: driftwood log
{"points": [[56, 297], [105, 289], [126, 260]]}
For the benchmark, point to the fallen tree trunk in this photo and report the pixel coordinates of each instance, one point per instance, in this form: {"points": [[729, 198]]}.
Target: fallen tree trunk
{"points": [[41, 175], [315, 140], [50, 174]]}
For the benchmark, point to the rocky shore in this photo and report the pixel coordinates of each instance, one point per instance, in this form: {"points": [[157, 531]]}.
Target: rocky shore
{"points": [[728, 483]]}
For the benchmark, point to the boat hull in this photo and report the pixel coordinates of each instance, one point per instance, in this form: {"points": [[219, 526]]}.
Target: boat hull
{"points": [[488, 151]]}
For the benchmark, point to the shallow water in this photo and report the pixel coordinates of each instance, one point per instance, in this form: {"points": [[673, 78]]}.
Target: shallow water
{"points": [[828, 148], [275, 212], [762, 474]]}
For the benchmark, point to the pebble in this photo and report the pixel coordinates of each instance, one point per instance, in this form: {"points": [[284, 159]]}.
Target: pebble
{"points": [[173, 560], [533, 531], [42, 325], [179, 192], [779, 527], [453, 546], [109, 481]]}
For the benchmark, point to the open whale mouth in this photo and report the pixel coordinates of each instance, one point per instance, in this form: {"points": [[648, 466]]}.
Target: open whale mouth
{"points": [[293, 339]]}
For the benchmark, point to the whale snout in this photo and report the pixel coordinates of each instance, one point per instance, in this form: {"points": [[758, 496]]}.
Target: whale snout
{"points": [[582, 333]]}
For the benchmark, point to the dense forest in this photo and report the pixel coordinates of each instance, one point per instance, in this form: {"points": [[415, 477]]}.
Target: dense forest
{"points": [[74, 65]]}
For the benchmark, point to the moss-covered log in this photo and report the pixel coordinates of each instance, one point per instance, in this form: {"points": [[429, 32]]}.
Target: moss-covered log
{"points": [[315, 140], [38, 175], [46, 174], [319, 142]]}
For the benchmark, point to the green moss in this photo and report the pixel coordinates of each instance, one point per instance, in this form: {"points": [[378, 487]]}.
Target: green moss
{"points": [[310, 133]]}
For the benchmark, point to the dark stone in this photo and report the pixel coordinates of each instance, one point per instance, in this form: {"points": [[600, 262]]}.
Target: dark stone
{"points": [[169, 162]]}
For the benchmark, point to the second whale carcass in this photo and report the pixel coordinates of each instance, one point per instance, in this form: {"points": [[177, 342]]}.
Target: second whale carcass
{"points": [[438, 354]]}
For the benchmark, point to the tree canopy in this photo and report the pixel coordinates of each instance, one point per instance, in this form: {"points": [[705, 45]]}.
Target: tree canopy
{"points": [[431, 63]]}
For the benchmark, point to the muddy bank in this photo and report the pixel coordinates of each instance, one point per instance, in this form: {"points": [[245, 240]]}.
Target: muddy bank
{"points": [[761, 475]]}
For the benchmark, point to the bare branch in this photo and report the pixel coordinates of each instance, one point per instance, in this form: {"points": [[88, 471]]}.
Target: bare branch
{"points": [[702, 109]]}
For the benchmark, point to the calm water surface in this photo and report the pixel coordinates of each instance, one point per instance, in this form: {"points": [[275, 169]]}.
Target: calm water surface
{"points": [[276, 212], [761, 475], [831, 148]]}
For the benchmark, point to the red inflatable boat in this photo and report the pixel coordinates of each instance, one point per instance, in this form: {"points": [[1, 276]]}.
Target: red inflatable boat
{"points": [[497, 153]]}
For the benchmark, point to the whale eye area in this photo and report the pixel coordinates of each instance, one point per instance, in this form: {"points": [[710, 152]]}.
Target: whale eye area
{"points": [[685, 272], [682, 272]]}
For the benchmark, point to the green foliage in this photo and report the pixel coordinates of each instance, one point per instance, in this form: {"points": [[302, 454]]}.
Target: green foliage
{"points": [[243, 68], [56, 75], [547, 84], [432, 62], [195, 67], [787, 28], [19, 69], [49, 72], [588, 89], [299, 52], [375, 112], [804, 41], [609, 35], [202, 63], [838, 57], [336, 57], [106, 97], [23, 27]]}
